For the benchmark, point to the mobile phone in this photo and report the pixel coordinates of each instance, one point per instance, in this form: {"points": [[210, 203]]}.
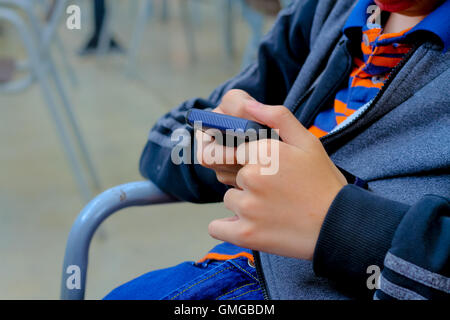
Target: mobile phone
{"points": [[234, 130]]}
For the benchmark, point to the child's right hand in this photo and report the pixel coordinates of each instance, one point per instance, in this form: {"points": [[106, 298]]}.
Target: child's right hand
{"points": [[233, 104]]}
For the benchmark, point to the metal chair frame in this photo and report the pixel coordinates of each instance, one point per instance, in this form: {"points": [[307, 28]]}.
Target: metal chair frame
{"points": [[47, 32], [37, 42], [75, 264]]}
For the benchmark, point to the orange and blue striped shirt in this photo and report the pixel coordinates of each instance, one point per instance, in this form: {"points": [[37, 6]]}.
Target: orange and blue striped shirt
{"points": [[380, 53]]}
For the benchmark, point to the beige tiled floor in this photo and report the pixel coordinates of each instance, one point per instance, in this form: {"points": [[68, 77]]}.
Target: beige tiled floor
{"points": [[38, 197]]}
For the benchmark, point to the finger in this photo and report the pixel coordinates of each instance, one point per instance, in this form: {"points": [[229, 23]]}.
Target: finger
{"points": [[224, 229], [215, 154], [263, 152], [233, 104], [231, 200], [202, 140], [227, 178], [249, 178], [291, 130]]}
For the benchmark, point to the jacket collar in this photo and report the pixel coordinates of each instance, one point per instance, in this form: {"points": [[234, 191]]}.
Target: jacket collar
{"points": [[437, 22]]}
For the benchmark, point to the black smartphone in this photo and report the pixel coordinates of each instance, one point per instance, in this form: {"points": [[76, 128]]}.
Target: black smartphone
{"points": [[234, 130]]}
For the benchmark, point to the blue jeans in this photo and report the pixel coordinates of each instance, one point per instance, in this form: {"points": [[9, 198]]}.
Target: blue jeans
{"points": [[226, 273]]}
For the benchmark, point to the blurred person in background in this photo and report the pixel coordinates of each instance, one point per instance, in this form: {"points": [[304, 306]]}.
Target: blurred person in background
{"points": [[100, 11]]}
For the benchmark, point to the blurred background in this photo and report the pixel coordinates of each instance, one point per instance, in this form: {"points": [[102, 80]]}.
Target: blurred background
{"points": [[76, 106]]}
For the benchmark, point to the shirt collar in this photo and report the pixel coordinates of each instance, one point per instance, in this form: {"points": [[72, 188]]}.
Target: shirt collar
{"points": [[437, 22]]}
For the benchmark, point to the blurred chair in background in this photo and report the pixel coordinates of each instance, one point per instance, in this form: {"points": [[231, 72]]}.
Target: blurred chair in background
{"points": [[49, 9], [255, 18], [37, 40], [145, 10], [47, 28], [253, 11]]}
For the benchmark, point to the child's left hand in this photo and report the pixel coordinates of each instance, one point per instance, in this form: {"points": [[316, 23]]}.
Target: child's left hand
{"points": [[281, 213]]}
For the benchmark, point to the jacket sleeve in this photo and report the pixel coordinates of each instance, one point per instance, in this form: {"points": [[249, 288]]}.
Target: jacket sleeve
{"points": [[410, 245], [280, 57]]}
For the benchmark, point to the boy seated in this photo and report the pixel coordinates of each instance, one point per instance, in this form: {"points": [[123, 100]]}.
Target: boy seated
{"points": [[359, 91]]}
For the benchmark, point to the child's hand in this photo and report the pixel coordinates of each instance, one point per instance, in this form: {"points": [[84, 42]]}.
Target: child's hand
{"points": [[280, 213], [234, 104]]}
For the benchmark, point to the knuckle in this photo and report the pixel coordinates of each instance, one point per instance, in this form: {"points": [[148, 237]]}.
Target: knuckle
{"points": [[229, 96], [247, 174], [246, 206], [246, 233], [251, 177], [233, 93], [282, 111], [232, 101], [227, 199]]}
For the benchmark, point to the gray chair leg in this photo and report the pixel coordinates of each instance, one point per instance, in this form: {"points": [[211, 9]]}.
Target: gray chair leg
{"points": [[256, 23], [144, 12], [46, 36], [65, 62], [74, 124], [141, 22], [75, 266], [50, 31], [226, 12], [188, 27], [165, 12]]}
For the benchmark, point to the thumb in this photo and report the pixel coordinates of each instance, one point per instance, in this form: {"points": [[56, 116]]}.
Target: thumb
{"points": [[224, 229], [290, 129]]}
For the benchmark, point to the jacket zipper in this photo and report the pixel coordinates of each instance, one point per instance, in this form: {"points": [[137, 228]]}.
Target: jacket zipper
{"points": [[390, 78], [259, 274]]}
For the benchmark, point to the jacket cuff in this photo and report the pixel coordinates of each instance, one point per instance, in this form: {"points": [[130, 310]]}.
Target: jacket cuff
{"points": [[356, 233]]}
